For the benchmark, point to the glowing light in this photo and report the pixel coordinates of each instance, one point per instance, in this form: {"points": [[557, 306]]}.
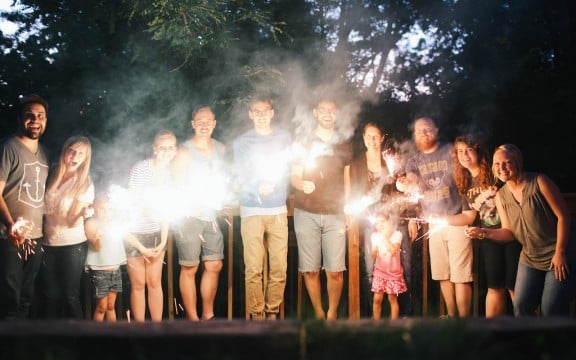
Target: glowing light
{"points": [[357, 206], [392, 161], [272, 168], [308, 157], [23, 228]]}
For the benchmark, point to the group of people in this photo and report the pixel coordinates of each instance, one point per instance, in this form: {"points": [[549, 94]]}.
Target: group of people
{"points": [[55, 224], [526, 231]]}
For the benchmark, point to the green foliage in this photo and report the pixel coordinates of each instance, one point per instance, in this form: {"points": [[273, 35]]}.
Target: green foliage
{"points": [[189, 27], [478, 66]]}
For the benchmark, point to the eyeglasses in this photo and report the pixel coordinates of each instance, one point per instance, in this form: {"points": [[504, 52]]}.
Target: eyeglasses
{"points": [[322, 111], [203, 123], [260, 112], [165, 148]]}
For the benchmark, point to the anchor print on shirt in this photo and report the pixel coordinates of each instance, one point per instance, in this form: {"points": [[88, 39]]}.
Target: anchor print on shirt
{"points": [[32, 186]]}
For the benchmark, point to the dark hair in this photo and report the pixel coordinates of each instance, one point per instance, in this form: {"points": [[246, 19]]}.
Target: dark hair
{"points": [[462, 176], [200, 107], [260, 98], [32, 98]]}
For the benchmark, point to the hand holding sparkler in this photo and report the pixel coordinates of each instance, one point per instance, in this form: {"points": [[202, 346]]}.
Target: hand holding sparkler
{"points": [[308, 186], [20, 231], [474, 232], [88, 212], [402, 183]]}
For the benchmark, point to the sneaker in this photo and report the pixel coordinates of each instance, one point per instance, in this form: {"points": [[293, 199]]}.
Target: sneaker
{"points": [[444, 317]]}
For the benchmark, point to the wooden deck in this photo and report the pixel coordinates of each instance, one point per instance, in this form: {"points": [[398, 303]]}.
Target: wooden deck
{"points": [[231, 305], [414, 338]]}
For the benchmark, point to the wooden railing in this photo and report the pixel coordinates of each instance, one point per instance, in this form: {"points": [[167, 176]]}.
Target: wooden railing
{"points": [[234, 278]]}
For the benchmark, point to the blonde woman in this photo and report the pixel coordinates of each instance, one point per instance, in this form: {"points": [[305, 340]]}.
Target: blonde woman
{"points": [[69, 194]]}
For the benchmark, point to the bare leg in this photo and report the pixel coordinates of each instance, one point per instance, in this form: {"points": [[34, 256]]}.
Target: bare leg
{"points": [[335, 282], [377, 305], [463, 299], [154, 286], [100, 310], [137, 273], [449, 295], [111, 307], [312, 282], [209, 286], [495, 302], [188, 290], [394, 306]]}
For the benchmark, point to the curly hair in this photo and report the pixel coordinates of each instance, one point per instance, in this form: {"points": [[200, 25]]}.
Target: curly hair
{"points": [[462, 176]]}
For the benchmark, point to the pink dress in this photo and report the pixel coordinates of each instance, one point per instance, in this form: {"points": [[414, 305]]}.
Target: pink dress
{"points": [[388, 275]]}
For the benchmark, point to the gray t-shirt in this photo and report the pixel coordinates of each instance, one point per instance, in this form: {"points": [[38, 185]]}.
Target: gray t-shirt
{"points": [[25, 174], [439, 193]]}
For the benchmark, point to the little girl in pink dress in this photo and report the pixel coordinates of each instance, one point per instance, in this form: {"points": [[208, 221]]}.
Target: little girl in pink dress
{"points": [[388, 276]]}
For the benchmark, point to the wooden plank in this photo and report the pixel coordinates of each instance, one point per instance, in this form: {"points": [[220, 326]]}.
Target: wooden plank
{"points": [[230, 295], [170, 274], [354, 270]]}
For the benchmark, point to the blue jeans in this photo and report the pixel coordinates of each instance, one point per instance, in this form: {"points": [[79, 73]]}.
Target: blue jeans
{"points": [[18, 270], [61, 277], [538, 287]]}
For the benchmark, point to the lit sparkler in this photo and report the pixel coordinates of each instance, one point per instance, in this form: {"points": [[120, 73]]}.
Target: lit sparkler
{"points": [[392, 161], [23, 228], [429, 220], [270, 168], [308, 156], [358, 206]]}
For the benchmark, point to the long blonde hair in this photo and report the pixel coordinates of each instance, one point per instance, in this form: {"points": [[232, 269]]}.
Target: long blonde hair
{"points": [[83, 179]]}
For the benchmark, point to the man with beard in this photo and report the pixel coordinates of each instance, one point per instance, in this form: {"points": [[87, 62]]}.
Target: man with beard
{"points": [[429, 177], [23, 173], [321, 177], [199, 174]]}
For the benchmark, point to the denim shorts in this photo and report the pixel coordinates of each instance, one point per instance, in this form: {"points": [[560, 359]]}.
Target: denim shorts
{"points": [[198, 240], [321, 241], [105, 281]]}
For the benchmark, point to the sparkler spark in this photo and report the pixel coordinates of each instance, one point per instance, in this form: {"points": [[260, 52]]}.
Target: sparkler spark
{"points": [[392, 161], [23, 228], [358, 206], [430, 220]]}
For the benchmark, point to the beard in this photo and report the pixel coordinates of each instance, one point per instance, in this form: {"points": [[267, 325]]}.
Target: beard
{"points": [[425, 144], [30, 133]]}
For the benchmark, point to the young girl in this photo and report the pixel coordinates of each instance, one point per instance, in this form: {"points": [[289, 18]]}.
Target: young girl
{"points": [[105, 255], [388, 276]]}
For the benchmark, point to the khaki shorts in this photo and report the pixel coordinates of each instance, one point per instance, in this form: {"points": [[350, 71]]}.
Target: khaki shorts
{"points": [[451, 254]]}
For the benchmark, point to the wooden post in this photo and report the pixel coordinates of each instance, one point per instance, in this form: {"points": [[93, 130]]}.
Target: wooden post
{"points": [[475, 284], [230, 221], [299, 296], [424, 269], [170, 275], [353, 270]]}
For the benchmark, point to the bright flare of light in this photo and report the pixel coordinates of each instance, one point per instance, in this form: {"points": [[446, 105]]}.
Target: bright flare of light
{"points": [[355, 207], [392, 161], [272, 167], [23, 227], [308, 156]]}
